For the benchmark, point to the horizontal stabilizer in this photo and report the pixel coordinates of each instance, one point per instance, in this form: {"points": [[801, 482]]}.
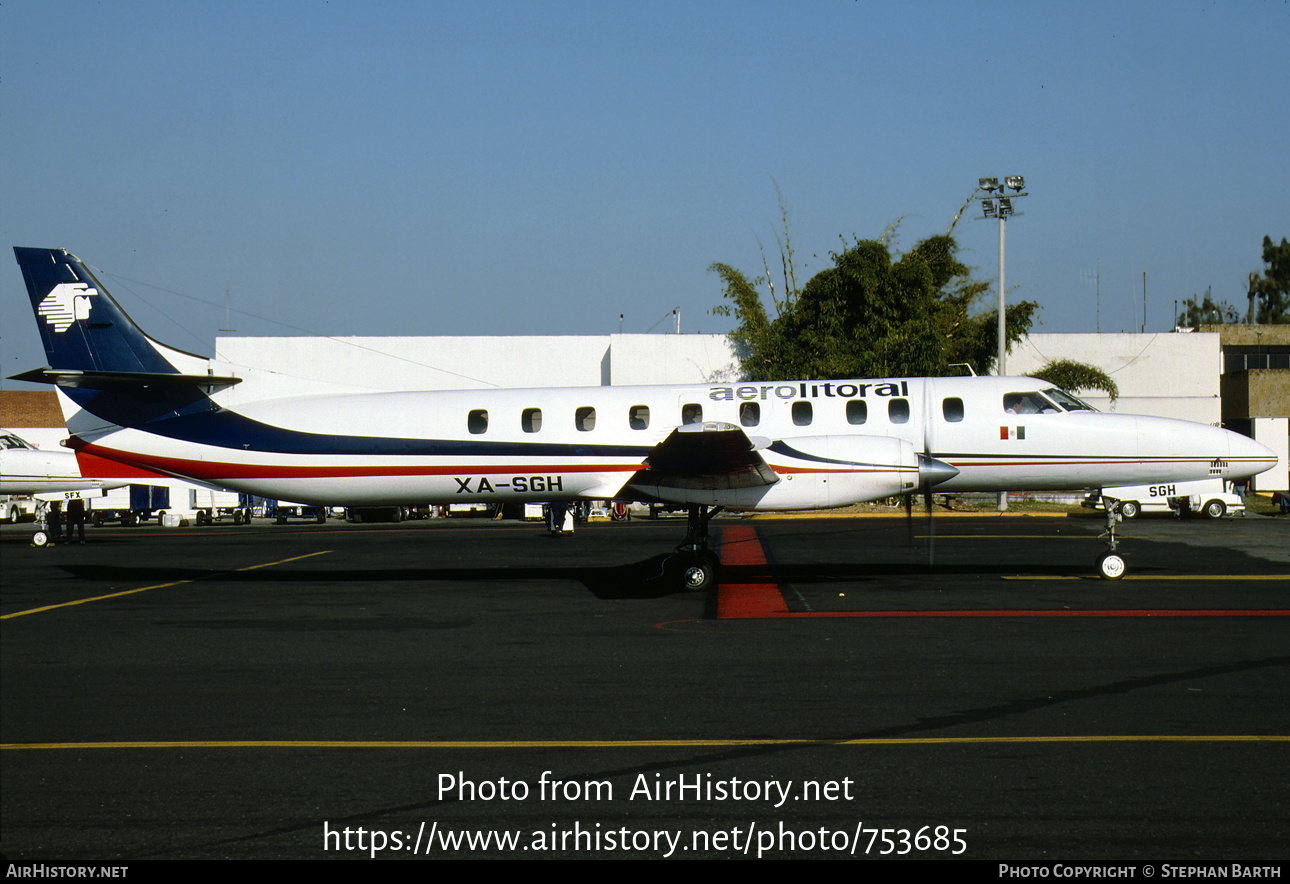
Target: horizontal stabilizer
{"points": [[126, 380]]}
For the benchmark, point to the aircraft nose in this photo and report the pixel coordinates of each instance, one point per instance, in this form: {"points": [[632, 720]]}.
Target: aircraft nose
{"points": [[1246, 458], [933, 472]]}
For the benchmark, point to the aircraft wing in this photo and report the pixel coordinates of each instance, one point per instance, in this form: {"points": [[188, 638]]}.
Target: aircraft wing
{"points": [[711, 456]]}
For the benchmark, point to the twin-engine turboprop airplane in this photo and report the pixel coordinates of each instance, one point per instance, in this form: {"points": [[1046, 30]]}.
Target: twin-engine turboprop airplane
{"points": [[764, 446]]}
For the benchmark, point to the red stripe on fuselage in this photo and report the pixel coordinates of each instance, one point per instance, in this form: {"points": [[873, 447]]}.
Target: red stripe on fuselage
{"points": [[94, 467], [215, 470]]}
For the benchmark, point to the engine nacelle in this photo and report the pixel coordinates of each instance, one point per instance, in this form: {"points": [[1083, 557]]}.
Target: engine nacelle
{"points": [[839, 470]]}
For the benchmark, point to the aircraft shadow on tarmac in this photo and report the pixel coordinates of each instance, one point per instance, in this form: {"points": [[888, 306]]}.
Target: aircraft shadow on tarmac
{"points": [[643, 579]]}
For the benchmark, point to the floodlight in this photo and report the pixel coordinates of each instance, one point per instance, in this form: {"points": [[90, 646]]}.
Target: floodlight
{"points": [[1005, 206], [987, 206], [989, 185], [1016, 182]]}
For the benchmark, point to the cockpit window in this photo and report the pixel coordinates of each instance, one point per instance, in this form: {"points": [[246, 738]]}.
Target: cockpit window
{"points": [[1028, 403], [1067, 401]]}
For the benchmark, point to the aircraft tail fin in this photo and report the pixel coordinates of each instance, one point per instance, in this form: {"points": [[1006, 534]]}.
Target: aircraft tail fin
{"points": [[83, 328]]}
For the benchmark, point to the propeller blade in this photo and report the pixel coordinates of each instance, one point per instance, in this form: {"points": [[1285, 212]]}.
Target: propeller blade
{"points": [[931, 529]]}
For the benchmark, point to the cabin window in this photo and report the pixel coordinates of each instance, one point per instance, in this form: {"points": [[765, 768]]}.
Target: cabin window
{"points": [[857, 411], [750, 414], [585, 418], [691, 413], [952, 408], [898, 411], [802, 413], [477, 421], [531, 420], [638, 417]]}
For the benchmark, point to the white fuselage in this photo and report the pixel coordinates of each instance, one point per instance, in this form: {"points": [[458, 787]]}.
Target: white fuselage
{"points": [[829, 443]]}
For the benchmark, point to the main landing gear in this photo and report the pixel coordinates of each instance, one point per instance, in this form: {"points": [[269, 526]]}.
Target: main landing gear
{"points": [[694, 566], [1110, 564]]}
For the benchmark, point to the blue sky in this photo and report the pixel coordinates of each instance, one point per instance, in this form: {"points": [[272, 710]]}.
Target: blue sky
{"points": [[423, 168]]}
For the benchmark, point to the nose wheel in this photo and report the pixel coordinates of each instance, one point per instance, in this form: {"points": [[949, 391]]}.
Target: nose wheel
{"points": [[1110, 565]]}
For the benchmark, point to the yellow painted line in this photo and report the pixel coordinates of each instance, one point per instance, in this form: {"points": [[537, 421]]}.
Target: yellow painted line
{"points": [[638, 744], [1084, 537], [1279, 577], [113, 595]]}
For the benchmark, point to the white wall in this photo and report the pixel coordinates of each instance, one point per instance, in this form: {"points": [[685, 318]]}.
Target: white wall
{"points": [[464, 363], [1165, 374], [427, 363], [671, 359], [1274, 432]]}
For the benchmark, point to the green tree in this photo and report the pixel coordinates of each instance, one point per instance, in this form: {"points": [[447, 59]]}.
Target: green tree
{"points": [[1197, 312], [1269, 293], [1074, 376], [870, 315]]}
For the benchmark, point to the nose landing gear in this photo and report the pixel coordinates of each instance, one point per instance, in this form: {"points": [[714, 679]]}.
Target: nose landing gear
{"points": [[1110, 564]]}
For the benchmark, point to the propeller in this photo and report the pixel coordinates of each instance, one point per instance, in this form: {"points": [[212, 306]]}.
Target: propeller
{"points": [[931, 528], [930, 472], [909, 516]]}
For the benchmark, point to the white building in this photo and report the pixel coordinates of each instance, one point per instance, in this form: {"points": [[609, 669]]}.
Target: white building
{"points": [[1171, 375], [1165, 374], [467, 363]]}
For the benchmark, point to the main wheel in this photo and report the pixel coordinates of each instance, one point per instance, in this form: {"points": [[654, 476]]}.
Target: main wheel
{"points": [[1215, 509], [1110, 566], [1129, 509], [698, 571]]}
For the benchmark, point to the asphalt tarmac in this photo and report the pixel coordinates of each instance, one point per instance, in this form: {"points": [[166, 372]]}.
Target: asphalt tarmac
{"points": [[855, 687]]}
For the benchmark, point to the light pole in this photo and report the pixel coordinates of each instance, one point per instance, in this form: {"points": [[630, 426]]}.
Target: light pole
{"points": [[1000, 207]]}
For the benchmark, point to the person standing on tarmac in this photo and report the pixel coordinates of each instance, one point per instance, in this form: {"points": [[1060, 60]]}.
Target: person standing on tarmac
{"points": [[76, 519], [54, 521]]}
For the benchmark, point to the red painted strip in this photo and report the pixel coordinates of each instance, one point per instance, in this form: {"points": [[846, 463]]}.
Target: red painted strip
{"points": [[741, 546], [1090, 613]]}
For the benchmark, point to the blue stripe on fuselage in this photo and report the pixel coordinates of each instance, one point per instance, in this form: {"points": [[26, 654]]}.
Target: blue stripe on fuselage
{"points": [[208, 424]]}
